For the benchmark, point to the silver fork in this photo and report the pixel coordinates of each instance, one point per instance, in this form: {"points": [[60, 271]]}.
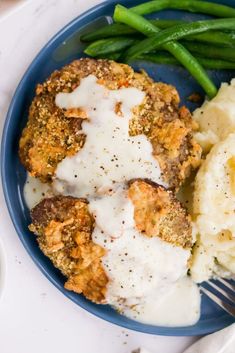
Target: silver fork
{"points": [[224, 294]]}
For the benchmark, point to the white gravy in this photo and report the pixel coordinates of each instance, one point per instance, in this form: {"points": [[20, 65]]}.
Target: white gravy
{"points": [[134, 262], [110, 155], [139, 268], [35, 191], [175, 305]]}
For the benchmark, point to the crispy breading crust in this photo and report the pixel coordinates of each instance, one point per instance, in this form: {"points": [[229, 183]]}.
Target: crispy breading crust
{"points": [[158, 213], [63, 226], [52, 134]]}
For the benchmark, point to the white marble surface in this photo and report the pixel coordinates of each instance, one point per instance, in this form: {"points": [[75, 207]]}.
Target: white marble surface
{"points": [[8, 6], [35, 316]]}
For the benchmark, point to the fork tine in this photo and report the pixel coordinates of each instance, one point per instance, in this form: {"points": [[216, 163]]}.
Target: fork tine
{"points": [[225, 293], [228, 308], [226, 283]]}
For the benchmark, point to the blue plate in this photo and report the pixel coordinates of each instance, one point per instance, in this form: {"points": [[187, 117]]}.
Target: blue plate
{"points": [[61, 49]]}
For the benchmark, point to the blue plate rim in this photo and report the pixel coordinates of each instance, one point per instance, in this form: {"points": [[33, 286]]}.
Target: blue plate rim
{"points": [[132, 325]]}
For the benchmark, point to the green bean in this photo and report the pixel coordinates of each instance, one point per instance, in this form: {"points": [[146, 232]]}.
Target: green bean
{"points": [[108, 46], [208, 8], [210, 51], [112, 56], [118, 29], [112, 30], [104, 47], [195, 68], [159, 58], [166, 23], [117, 44], [121, 14], [214, 37], [176, 49], [207, 63], [164, 58]]}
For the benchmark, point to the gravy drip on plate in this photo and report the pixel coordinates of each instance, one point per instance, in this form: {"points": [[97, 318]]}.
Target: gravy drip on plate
{"points": [[175, 304], [139, 267], [35, 191], [147, 275]]}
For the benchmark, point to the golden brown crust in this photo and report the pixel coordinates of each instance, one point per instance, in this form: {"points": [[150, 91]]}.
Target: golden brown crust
{"points": [[52, 134], [170, 130], [158, 213], [63, 226]]}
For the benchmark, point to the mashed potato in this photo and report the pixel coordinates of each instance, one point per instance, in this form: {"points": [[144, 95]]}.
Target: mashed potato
{"points": [[214, 194], [216, 118]]}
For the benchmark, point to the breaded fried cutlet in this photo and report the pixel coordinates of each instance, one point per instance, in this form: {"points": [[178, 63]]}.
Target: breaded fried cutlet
{"points": [[52, 133], [159, 213], [64, 226]]}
